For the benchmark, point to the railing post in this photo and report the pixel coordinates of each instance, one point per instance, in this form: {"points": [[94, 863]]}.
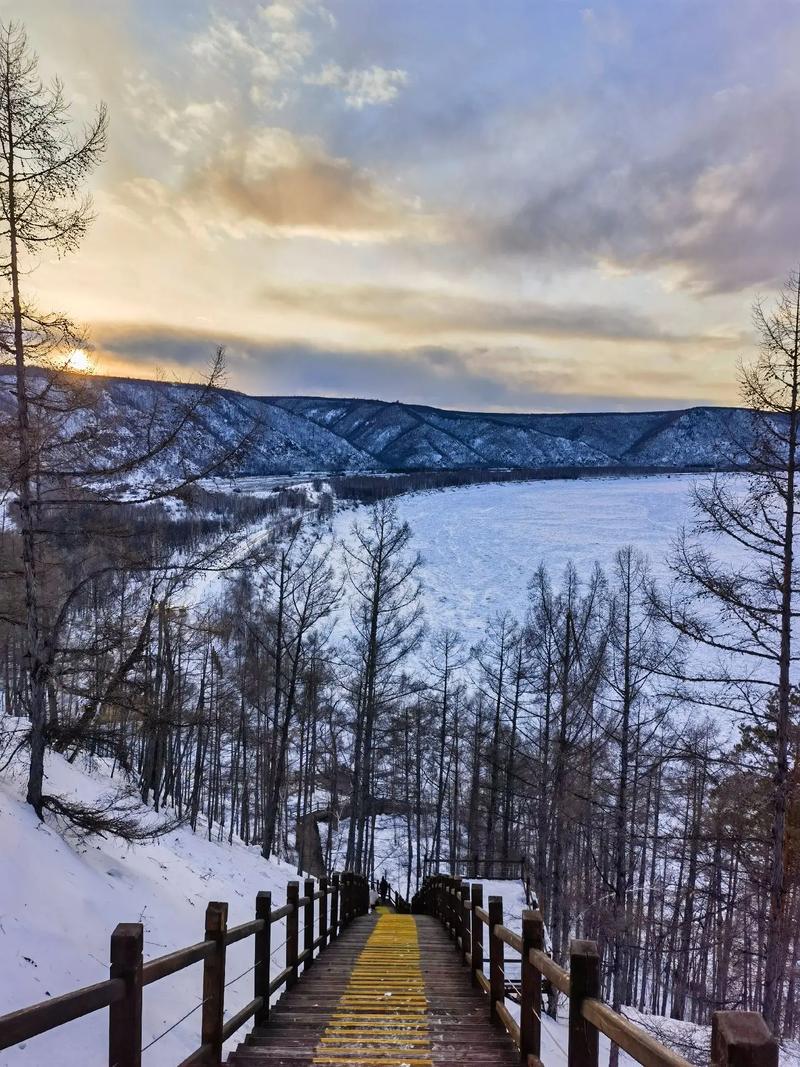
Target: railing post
{"points": [[584, 982], [496, 981], [125, 1017], [347, 897], [308, 923], [464, 917], [530, 1012], [263, 948], [292, 897], [455, 911], [476, 893], [323, 913], [742, 1039], [214, 980], [335, 892]]}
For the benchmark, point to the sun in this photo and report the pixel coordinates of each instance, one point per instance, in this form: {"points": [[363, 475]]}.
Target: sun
{"points": [[78, 359]]}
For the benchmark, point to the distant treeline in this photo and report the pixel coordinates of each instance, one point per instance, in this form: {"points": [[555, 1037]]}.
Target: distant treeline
{"points": [[367, 488]]}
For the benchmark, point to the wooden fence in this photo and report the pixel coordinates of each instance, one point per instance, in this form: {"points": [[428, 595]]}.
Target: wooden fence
{"points": [[513, 868], [738, 1039], [338, 902]]}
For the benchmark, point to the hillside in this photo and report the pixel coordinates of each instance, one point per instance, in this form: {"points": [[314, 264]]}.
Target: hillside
{"points": [[398, 436], [66, 896], [298, 434]]}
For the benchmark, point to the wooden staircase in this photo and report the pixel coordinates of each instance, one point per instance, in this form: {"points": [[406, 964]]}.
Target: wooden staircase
{"points": [[389, 992]]}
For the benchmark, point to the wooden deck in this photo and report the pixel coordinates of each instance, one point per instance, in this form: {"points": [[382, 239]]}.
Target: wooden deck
{"points": [[391, 992]]}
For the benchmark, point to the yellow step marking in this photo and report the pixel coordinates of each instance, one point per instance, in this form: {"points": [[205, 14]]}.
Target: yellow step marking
{"points": [[380, 1019]]}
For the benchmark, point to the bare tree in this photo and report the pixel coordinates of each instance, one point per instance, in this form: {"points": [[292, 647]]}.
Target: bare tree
{"points": [[43, 168], [386, 614], [61, 456], [745, 610]]}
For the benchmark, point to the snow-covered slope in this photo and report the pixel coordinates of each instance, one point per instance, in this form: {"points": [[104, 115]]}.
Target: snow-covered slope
{"points": [[302, 434], [407, 436], [59, 903]]}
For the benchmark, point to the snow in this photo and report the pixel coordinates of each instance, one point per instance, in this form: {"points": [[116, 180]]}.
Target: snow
{"points": [[481, 544], [60, 905]]}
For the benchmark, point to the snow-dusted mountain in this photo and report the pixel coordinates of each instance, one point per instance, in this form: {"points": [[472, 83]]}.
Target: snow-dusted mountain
{"points": [[300, 433], [394, 436]]}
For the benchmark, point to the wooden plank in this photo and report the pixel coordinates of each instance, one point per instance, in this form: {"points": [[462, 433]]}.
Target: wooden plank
{"points": [[239, 933], [292, 901], [39, 1018], [214, 980], [163, 966], [241, 1017], [281, 913], [262, 953], [308, 923], [125, 1016], [742, 1039], [531, 985], [508, 1020], [630, 1038], [550, 969], [200, 1056], [584, 970], [509, 938]]}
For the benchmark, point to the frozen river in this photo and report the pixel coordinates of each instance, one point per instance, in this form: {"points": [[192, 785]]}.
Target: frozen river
{"points": [[481, 544]]}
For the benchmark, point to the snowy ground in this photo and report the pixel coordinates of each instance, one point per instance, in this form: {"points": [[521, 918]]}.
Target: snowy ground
{"points": [[61, 902], [481, 544]]}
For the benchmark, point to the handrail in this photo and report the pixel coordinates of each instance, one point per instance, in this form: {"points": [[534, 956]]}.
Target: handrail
{"points": [[164, 966], [341, 899], [239, 933], [461, 911], [630, 1038], [28, 1022]]}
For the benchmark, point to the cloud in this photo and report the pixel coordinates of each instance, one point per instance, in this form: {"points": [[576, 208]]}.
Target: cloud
{"points": [[183, 126], [473, 378], [269, 48], [712, 203], [406, 312], [273, 179], [373, 85], [273, 48]]}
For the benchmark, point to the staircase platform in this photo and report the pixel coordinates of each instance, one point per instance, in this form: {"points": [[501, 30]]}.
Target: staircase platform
{"points": [[390, 992]]}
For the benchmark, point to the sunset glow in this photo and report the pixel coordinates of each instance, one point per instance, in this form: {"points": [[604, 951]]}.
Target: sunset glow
{"points": [[526, 206], [78, 359]]}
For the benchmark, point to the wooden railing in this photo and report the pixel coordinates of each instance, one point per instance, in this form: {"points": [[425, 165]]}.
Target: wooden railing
{"points": [[738, 1039], [513, 868], [338, 902]]}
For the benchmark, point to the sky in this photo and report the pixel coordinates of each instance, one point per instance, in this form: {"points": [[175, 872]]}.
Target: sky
{"points": [[539, 205]]}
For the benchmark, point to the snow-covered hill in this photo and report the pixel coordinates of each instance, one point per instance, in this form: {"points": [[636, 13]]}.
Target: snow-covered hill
{"points": [[63, 900], [291, 435], [409, 437]]}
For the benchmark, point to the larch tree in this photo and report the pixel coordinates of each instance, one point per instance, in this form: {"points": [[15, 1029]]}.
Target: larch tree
{"points": [[745, 610], [42, 169], [72, 489], [386, 614]]}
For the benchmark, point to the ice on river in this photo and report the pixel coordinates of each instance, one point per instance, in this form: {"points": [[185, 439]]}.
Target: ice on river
{"points": [[481, 544]]}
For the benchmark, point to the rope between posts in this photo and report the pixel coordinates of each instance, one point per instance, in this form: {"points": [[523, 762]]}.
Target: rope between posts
{"points": [[242, 975], [169, 1029]]}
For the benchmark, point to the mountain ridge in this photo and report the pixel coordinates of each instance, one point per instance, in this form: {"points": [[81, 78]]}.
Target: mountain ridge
{"points": [[420, 437], [303, 434]]}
